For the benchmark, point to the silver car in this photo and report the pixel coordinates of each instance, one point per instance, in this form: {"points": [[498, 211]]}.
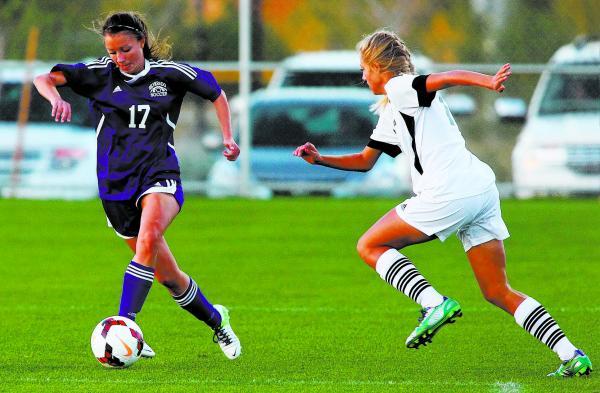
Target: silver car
{"points": [[336, 120], [57, 160], [558, 151]]}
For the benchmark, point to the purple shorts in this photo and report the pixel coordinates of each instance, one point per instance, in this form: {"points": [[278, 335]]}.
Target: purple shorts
{"points": [[125, 216]]}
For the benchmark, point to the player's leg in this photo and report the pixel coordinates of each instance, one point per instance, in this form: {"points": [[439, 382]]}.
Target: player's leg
{"points": [[488, 262], [188, 295], [378, 248], [166, 271], [147, 351], [489, 265], [158, 211], [182, 287], [389, 232]]}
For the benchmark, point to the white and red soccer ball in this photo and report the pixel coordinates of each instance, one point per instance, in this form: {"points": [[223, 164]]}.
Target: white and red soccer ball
{"points": [[117, 342]]}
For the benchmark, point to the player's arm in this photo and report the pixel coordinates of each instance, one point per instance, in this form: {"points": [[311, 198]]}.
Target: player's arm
{"points": [[46, 85], [442, 80], [232, 151], [359, 162]]}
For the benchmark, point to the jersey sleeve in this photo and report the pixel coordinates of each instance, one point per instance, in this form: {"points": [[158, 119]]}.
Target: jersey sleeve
{"points": [[384, 137], [408, 92], [201, 82], [83, 79], [387, 148]]}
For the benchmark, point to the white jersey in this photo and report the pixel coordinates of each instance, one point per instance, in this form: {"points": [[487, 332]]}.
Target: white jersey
{"points": [[420, 125]]}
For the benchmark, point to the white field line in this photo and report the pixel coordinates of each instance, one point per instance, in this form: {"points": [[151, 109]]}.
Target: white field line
{"points": [[507, 387]]}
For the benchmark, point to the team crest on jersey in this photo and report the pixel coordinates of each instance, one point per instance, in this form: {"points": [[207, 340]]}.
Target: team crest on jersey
{"points": [[158, 89]]}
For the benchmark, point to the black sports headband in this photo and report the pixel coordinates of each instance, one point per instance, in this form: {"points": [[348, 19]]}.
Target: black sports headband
{"points": [[124, 27]]}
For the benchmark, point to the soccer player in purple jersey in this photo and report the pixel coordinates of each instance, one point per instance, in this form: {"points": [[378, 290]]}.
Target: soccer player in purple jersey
{"points": [[135, 96]]}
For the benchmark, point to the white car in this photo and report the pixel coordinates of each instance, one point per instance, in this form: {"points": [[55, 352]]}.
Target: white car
{"points": [[558, 150], [58, 160], [341, 68], [328, 69]]}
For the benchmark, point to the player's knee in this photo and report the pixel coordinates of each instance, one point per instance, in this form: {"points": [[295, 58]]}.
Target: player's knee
{"points": [[148, 241], [362, 248], [366, 251]]}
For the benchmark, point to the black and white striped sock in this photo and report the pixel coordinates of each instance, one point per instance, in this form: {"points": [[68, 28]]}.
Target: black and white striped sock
{"points": [[398, 271], [534, 318]]}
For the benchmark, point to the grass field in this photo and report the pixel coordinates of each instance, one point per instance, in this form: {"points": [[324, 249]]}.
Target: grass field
{"points": [[311, 316]]}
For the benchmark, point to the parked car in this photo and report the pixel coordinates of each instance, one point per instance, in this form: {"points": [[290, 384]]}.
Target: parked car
{"points": [[341, 68], [59, 159], [336, 120], [510, 109], [328, 68], [558, 150]]}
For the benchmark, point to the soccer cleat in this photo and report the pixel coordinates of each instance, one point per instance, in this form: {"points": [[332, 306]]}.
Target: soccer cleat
{"points": [[147, 352], [578, 365], [432, 319], [224, 335]]}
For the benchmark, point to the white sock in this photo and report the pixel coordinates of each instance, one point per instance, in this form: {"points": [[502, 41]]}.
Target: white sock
{"points": [[534, 318], [398, 271]]}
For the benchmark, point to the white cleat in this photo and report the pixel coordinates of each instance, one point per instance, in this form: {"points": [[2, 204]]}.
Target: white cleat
{"points": [[147, 352], [225, 337]]}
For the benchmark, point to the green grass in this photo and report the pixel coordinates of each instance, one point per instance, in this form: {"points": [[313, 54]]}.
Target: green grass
{"points": [[311, 316]]}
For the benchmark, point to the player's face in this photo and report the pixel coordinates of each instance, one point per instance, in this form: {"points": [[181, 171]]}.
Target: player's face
{"points": [[374, 78], [126, 51]]}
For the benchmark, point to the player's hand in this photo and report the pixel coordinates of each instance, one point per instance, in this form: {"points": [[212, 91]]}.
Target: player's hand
{"points": [[500, 77], [61, 110], [232, 150], [308, 152]]}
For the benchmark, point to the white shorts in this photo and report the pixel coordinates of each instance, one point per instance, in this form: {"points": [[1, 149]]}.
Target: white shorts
{"points": [[476, 219]]}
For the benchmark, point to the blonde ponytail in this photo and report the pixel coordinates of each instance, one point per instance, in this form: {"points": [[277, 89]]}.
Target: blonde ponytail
{"points": [[385, 50]]}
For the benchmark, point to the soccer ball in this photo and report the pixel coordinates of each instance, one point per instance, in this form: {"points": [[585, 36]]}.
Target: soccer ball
{"points": [[117, 342]]}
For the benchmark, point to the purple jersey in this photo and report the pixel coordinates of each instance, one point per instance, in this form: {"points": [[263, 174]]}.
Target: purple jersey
{"points": [[135, 116]]}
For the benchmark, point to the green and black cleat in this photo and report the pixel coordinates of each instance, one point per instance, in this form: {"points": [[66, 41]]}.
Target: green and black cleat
{"points": [[433, 318], [579, 365]]}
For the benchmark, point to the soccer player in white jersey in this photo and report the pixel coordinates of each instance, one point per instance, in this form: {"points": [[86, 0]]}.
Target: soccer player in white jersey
{"points": [[135, 96], [454, 192]]}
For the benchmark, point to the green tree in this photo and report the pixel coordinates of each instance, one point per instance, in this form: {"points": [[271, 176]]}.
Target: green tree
{"points": [[533, 30], [60, 23]]}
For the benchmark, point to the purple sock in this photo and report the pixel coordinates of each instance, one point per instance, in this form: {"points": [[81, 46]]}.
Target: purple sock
{"points": [[136, 285], [194, 302]]}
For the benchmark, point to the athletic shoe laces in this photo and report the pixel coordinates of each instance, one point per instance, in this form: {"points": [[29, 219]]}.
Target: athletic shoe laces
{"points": [[221, 335], [424, 312]]}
